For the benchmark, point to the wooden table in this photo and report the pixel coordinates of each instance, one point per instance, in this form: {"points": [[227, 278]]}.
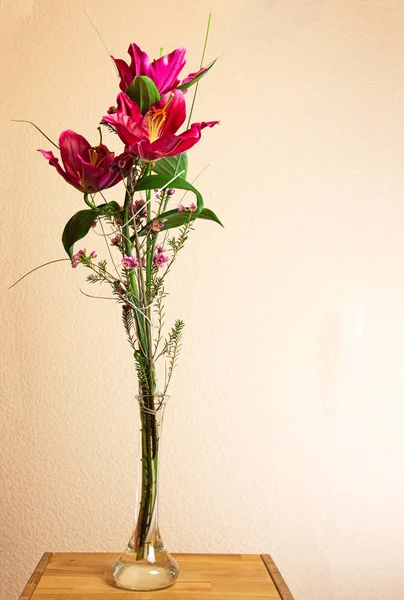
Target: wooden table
{"points": [[79, 576]]}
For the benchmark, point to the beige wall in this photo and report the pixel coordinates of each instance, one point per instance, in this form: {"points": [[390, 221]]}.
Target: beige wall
{"points": [[284, 432]]}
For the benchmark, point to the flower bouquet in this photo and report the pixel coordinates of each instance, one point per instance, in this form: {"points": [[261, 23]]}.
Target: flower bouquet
{"points": [[143, 236]]}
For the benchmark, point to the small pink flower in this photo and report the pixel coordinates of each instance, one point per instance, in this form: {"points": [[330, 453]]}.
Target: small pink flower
{"points": [[115, 240], [94, 224], [192, 207], [181, 208], [156, 226], [159, 259], [81, 257], [130, 262], [76, 258]]}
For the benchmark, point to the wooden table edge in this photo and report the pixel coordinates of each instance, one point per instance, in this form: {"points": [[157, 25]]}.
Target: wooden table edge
{"points": [[271, 567], [277, 578], [35, 578]]}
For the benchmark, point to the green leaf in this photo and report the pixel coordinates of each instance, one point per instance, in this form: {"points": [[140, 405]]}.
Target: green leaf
{"points": [[153, 182], [173, 218], [144, 92], [187, 85], [171, 165], [209, 215], [77, 227], [80, 224], [111, 208]]}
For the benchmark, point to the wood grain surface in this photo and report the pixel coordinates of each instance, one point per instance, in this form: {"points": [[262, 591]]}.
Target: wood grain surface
{"points": [[78, 576]]}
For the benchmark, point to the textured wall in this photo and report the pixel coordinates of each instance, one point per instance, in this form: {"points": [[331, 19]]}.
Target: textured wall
{"points": [[284, 431]]}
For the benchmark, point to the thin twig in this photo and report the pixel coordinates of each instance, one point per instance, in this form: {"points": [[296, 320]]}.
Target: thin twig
{"points": [[109, 249], [193, 181], [97, 297], [116, 300], [182, 197]]}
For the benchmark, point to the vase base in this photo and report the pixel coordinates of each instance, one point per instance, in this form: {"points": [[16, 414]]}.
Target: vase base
{"points": [[144, 575]]}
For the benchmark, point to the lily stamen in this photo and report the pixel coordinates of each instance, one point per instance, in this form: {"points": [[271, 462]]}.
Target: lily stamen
{"points": [[156, 118]]}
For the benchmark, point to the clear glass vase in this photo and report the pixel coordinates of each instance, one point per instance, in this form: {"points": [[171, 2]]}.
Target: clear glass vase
{"points": [[145, 564]]}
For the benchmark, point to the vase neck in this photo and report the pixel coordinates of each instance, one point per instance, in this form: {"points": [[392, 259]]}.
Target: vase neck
{"points": [[146, 535], [152, 404]]}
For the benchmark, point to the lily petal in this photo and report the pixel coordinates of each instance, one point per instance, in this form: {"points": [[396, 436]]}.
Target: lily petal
{"points": [[149, 151], [165, 70], [140, 63], [128, 121], [185, 141], [106, 161], [111, 178], [128, 107], [71, 145], [54, 162], [170, 145], [90, 175], [124, 73]]}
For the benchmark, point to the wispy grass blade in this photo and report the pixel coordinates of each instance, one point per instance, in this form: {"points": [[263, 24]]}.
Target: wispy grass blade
{"points": [[101, 40], [200, 66], [36, 127], [36, 269]]}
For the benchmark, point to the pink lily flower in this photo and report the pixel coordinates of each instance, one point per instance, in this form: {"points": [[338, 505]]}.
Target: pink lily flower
{"points": [[153, 135], [164, 71], [87, 168]]}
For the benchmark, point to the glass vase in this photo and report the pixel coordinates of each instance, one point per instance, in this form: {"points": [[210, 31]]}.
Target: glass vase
{"points": [[145, 564]]}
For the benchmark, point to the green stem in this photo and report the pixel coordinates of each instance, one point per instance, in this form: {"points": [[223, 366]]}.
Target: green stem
{"points": [[151, 244], [87, 201], [148, 416], [149, 257], [149, 482], [140, 324]]}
